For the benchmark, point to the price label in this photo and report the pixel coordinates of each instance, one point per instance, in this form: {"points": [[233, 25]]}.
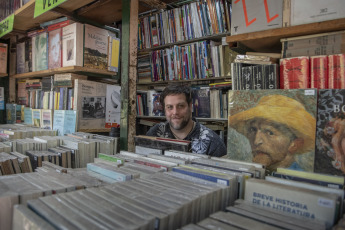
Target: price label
{"points": [[6, 25], [42, 6]]}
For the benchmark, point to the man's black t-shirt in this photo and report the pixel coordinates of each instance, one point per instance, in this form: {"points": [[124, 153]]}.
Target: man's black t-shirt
{"points": [[203, 140]]}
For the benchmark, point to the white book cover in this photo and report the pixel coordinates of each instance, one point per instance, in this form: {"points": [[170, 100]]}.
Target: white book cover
{"points": [[72, 45], [113, 105], [40, 52], [95, 47], [21, 57]]}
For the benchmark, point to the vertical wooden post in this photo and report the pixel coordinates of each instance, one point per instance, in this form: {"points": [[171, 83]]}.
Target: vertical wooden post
{"points": [[124, 74], [133, 52]]}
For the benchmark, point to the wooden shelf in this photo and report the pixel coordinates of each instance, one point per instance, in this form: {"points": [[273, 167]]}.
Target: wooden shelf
{"points": [[24, 16], [269, 40], [197, 118], [210, 37], [69, 69], [184, 81], [3, 74]]}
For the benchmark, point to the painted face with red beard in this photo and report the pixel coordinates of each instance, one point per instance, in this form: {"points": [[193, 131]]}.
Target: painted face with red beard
{"points": [[177, 111], [272, 144]]}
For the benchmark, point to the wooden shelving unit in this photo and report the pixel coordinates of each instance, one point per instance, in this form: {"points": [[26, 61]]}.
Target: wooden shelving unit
{"points": [[217, 37], [3, 74], [226, 78], [69, 69], [197, 118], [269, 40]]}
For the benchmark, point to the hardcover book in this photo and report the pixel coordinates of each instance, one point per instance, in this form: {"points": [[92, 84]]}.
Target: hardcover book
{"points": [[28, 116], [72, 45], [294, 73], [319, 72], [36, 117], [28, 55], [330, 148], [55, 49], [113, 106], [336, 74], [273, 127], [95, 47], [40, 52], [47, 119], [201, 102], [113, 53], [89, 99], [20, 57], [11, 113]]}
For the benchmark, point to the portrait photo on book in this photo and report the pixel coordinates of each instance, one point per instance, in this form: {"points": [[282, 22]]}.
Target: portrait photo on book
{"points": [[273, 127]]}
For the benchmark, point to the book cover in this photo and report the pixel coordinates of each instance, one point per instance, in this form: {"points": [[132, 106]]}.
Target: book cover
{"points": [[330, 130], [55, 49], [72, 45], [271, 76], [113, 106], [336, 74], [36, 117], [95, 47], [28, 116], [273, 127], [40, 52], [2, 98], [294, 73], [89, 99], [319, 72], [18, 113], [47, 119], [311, 204], [64, 121], [28, 55], [11, 113], [201, 102], [20, 57], [113, 53], [3, 57]]}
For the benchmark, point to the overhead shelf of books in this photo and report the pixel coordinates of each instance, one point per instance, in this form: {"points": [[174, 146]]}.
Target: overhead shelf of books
{"points": [[68, 69], [24, 16], [184, 81], [269, 40]]}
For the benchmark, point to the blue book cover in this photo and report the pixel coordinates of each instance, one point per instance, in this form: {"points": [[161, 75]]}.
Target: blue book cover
{"points": [[70, 121], [58, 121], [28, 116]]}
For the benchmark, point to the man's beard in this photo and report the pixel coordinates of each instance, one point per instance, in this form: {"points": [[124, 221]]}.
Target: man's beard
{"points": [[180, 126], [262, 158]]}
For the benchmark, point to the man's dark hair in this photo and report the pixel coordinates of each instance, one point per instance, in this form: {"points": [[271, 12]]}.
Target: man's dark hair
{"points": [[174, 89]]}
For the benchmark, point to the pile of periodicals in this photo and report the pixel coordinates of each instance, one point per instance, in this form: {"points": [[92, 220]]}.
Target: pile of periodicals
{"points": [[194, 20]]}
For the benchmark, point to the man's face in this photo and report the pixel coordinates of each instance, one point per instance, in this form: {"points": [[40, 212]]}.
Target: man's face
{"points": [[269, 143], [177, 111]]}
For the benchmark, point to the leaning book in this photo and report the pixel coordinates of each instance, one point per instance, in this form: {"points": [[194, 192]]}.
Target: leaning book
{"points": [[64, 121], [273, 127]]}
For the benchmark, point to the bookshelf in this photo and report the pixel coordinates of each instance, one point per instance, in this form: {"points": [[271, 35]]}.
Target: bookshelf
{"points": [[68, 69], [269, 40], [3, 74]]}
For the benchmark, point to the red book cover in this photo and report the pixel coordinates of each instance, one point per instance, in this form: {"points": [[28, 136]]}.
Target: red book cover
{"points": [[319, 72], [336, 71], [59, 25], [294, 73]]}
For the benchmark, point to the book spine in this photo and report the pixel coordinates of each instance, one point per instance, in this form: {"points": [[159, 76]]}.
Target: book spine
{"points": [[336, 65], [319, 72], [202, 176], [294, 73]]}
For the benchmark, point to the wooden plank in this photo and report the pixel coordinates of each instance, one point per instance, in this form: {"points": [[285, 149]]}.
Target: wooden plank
{"points": [[155, 4], [3, 74], [24, 16], [133, 51], [269, 40], [68, 69], [124, 73]]}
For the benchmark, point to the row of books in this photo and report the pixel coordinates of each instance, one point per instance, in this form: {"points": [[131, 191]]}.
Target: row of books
{"points": [[193, 20], [8, 7], [59, 45], [99, 104], [209, 101], [322, 72], [197, 60], [64, 121]]}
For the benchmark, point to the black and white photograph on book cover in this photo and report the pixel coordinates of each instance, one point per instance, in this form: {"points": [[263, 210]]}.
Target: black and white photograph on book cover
{"points": [[93, 107]]}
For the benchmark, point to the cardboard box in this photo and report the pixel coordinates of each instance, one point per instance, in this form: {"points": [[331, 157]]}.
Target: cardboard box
{"points": [[253, 15]]}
